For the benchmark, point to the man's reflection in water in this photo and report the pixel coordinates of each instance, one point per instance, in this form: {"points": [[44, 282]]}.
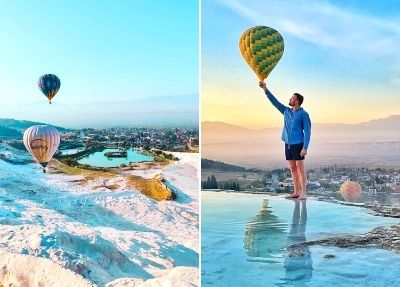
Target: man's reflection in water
{"points": [[264, 236], [298, 260]]}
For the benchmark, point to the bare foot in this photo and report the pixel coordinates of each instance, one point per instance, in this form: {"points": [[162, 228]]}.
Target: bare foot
{"points": [[302, 197]]}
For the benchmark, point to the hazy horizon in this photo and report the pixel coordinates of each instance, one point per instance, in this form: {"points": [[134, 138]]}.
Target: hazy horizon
{"points": [[314, 123], [164, 111]]}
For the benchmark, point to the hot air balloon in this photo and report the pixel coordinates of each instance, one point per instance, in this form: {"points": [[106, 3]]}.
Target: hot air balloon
{"points": [[49, 84], [262, 48], [262, 228], [42, 142], [350, 191]]}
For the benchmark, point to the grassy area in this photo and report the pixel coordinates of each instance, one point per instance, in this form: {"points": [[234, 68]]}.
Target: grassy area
{"points": [[58, 167], [245, 179], [158, 158], [112, 186], [194, 149], [153, 188]]}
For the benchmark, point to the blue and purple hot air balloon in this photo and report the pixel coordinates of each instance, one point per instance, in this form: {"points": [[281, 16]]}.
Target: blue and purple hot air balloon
{"points": [[49, 84]]}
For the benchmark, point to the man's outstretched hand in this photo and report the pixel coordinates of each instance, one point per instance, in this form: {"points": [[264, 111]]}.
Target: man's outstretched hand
{"points": [[262, 85]]}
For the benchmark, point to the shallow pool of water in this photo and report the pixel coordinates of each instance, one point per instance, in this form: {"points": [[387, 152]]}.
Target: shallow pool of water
{"points": [[71, 151], [244, 240], [100, 160]]}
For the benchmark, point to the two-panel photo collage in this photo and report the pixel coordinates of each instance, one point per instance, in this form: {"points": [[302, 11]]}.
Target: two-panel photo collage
{"points": [[199, 143]]}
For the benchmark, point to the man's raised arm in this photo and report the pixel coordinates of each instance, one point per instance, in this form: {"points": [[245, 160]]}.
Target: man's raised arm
{"points": [[272, 99]]}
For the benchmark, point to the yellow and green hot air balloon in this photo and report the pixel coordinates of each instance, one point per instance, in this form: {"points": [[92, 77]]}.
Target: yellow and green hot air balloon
{"points": [[262, 48]]}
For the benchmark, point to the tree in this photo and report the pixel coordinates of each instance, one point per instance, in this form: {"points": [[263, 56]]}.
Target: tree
{"points": [[378, 180], [208, 182], [213, 182]]}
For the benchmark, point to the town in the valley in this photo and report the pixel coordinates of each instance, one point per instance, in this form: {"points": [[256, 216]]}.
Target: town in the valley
{"points": [[171, 139], [376, 182]]}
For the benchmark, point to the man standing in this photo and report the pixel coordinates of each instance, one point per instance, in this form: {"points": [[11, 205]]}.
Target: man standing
{"points": [[296, 135]]}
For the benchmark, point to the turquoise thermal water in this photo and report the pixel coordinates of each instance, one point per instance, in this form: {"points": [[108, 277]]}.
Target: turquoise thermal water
{"points": [[100, 160], [244, 240], [71, 151]]}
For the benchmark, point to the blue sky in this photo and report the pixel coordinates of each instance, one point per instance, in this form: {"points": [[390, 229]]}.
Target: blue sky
{"points": [[103, 51], [341, 55]]}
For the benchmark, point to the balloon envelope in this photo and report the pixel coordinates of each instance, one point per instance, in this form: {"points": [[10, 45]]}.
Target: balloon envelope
{"points": [[42, 142], [262, 48], [263, 233], [49, 84], [350, 191]]}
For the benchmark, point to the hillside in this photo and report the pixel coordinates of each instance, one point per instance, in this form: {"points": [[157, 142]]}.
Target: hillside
{"points": [[57, 228], [212, 164], [6, 132], [22, 125]]}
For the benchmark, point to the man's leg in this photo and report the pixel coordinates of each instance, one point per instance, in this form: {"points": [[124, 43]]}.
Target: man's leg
{"points": [[301, 171], [295, 176]]}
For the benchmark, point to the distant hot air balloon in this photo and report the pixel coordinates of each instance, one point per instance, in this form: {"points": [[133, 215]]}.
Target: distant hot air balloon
{"points": [[42, 142], [350, 191], [262, 48], [49, 84]]}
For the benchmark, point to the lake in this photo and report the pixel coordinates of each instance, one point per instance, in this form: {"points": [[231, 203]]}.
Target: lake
{"points": [[244, 239], [98, 159]]}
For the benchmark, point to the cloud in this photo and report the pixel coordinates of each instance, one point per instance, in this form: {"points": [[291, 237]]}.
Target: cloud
{"points": [[325, 25]]}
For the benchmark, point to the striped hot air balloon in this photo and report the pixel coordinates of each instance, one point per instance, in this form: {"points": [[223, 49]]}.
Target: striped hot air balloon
{"points": [[42, 142], [49, 84], [262, 48]]}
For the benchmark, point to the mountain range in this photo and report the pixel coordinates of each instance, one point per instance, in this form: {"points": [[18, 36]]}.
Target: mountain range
{"points": [[387, 129], [376, 142]]}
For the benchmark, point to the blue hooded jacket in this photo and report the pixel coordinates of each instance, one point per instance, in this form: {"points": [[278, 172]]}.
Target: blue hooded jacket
{"points": [[297, 124]]}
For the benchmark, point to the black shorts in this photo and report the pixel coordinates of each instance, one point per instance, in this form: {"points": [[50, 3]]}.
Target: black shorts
{"points": [[292, 152]]}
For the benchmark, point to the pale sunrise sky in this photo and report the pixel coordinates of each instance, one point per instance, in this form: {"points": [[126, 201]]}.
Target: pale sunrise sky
{"points": [[343, 56]]}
